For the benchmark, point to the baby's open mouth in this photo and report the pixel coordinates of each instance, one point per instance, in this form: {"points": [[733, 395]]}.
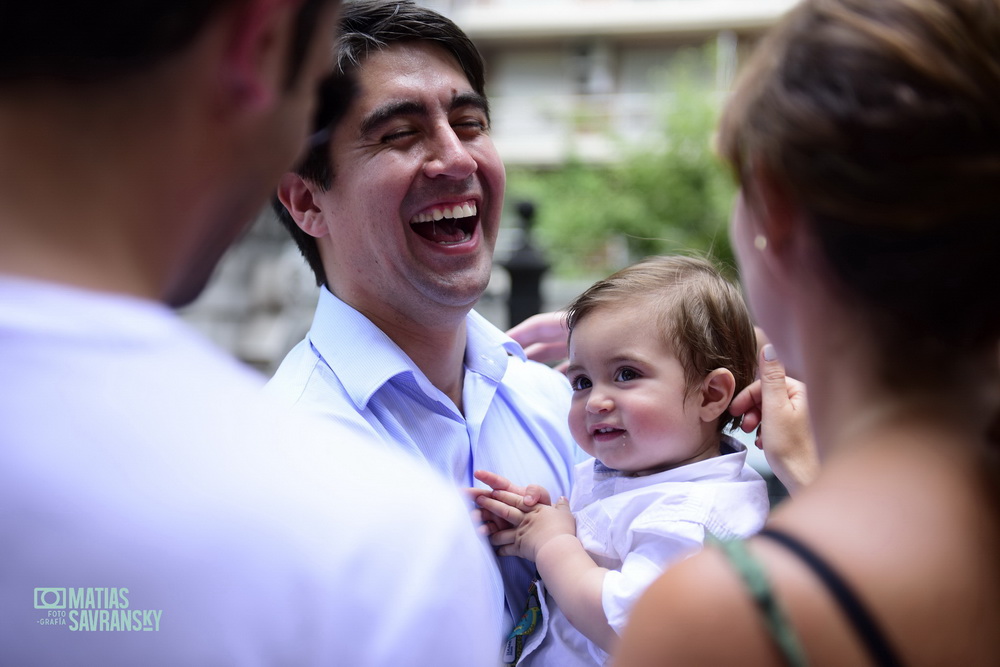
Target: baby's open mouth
{"points": [[447, 224]]}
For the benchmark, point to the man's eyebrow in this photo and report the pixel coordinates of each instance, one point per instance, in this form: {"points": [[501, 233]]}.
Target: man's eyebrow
{"points": [[389, 110], [393, 109], [472, 99]]}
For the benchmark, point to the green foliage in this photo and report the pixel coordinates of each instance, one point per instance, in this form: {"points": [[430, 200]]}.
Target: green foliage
{"points": [[671, 196]]}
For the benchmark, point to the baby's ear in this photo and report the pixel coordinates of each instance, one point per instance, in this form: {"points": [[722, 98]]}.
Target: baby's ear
{"points": [[717, 391]]}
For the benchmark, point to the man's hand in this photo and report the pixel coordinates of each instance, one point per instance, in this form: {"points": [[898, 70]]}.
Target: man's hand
{"points": [[533, 494], [544, 338]]}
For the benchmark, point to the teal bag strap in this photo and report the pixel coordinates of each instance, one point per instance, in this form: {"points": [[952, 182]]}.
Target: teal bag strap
{"points": [[755, 578]]}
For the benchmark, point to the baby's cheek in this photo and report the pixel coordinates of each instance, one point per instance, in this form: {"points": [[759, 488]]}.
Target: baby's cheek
{"points": [[575, 414], [578, 424]]}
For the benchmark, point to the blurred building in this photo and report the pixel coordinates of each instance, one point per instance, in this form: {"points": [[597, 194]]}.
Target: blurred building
{"points": [[575, 77], [565, 78]]}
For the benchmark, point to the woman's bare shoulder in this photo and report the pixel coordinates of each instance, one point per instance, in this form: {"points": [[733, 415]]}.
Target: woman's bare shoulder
{"points": [[699, 612]]}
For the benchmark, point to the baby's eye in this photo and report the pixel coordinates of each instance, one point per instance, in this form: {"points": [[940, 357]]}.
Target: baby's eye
{"points": [[626, 374], [580, 382]]}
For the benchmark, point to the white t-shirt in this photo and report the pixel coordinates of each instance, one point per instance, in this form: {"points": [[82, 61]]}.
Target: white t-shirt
{"points": [[157, 509]]}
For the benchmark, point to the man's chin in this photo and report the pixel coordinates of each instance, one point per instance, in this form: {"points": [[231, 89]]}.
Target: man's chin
{"points": [[184, 298], [187, 292]]}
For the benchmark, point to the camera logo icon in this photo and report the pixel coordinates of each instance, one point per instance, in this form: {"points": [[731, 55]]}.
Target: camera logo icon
{"points": [[50, 598]]}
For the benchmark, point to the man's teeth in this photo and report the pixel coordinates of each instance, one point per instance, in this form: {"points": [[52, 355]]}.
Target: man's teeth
{"points": [[448, 212]]}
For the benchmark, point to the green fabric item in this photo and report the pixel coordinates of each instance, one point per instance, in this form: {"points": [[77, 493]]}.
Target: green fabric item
{"points": [[755, 578], [527, 624]]}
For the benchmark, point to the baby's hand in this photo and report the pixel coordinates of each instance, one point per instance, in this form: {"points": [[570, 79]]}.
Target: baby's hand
{"points": [[486, 522], [532, 527]]}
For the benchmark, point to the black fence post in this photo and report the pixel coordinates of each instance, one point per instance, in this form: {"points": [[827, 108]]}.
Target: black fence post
{"points": [[526, 265]]}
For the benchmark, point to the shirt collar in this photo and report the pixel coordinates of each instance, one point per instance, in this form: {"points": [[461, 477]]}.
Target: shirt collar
{"points": [[726, 466], [487, 348], [362, 375], [361, 356]]}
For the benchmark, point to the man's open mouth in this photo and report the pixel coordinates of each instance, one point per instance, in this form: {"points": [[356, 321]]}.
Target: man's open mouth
{"points": [[447, 225]]}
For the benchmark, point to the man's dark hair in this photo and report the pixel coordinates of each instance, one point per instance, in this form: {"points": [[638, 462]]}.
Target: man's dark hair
{"points": [[83, 42], [366, 27]]}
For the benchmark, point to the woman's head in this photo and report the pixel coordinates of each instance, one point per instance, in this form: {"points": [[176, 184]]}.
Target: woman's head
{"points": [[880, 122]]}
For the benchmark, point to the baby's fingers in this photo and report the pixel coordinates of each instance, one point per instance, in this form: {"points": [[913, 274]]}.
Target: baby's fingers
{"points": [[536, 495], [501, 509], [503, 542], [515, 500], [485, 522]]}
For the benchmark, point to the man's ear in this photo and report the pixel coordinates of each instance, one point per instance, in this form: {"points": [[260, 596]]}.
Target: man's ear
{"points": [[258, 41], [717, 391], [296, 194]]}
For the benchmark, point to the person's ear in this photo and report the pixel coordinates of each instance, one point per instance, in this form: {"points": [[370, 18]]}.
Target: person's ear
{"points": [[258, 40], [775, 211], [298, 197], [717, 391]]}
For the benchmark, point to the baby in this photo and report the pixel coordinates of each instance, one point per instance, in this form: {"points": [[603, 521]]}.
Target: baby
{"points": [[657, 352]]}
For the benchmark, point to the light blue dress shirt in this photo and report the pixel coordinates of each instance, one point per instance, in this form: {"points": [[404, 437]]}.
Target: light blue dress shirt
{"points": [[349, 371]]}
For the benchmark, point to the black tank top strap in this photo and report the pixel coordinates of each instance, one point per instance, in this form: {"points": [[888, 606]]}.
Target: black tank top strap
{"points": [[772, 613], [865, 625]]}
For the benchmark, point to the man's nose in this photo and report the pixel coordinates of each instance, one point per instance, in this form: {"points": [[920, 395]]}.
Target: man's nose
{"points": [[449, 157]]}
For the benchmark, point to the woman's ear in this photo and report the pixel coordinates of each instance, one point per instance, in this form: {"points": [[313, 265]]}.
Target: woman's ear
{"points": [[296, 194], [717, 391], [775, 211]]}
